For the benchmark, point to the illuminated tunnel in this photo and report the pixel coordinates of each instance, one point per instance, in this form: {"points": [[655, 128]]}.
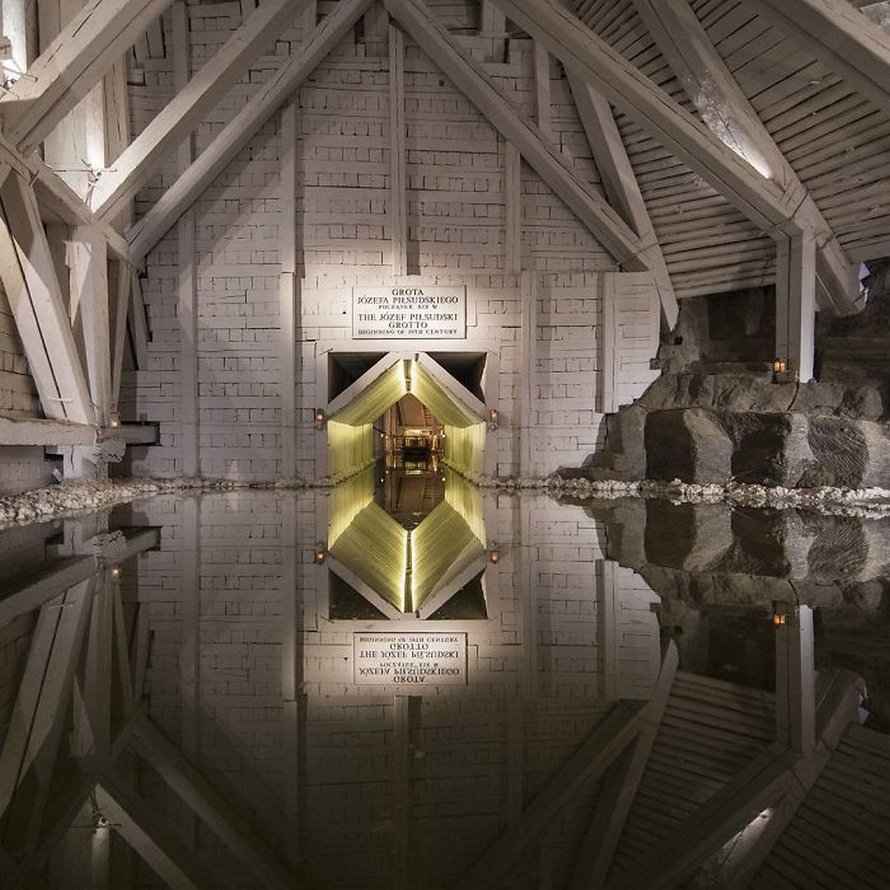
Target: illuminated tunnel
{"points": [[352, 438]]}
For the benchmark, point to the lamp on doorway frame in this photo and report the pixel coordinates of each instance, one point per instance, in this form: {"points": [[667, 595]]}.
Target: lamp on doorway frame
{"points": [[320, 418], [493, 418]]}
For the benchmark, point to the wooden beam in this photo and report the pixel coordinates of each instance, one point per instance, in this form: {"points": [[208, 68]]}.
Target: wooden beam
{"points": [[470, 77], [138, 322], [242, 838], [31, 431], [179, 117], [512, 208], [119, 280], [620, 787], [72, 65], [770, 207], [587, 764], [235, 135], [842, 38], [528, 387], [620, 182], [57, 199], [89, 311], [161, 849], [290, 287], [728, 114], [35, 297], [796, 304], [398, 194]]}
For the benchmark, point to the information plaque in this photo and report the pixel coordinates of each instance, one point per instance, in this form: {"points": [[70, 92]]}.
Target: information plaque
{"points": [[409, 313], [410, 659]]}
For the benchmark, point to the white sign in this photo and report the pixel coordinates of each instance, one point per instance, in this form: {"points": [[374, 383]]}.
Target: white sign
{"points": [[410, 659], [410, 313]]}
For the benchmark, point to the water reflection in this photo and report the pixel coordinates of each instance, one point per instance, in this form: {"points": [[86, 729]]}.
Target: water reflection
{"points": [[192, 697]]}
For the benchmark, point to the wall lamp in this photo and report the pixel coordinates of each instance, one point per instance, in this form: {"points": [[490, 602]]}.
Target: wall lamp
{"points": [[321, 554], [494, 555], [493, 418], [320, 417]]}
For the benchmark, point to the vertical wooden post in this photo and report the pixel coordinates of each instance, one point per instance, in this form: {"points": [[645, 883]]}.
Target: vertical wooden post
{"points": [[397, 152], [527, 377], [608, 341], [542, 87], [609, 613], [187, 279], [290, 288], [796, 303], [512, 209]]}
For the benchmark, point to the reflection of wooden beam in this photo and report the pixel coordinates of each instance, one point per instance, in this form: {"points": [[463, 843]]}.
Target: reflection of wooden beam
{"points": [[35, 297], [26, 595], [235, 135], [29, 755], [72, 65], [620, 787], [443, 592], [238, 834], [777, 780], [587, 764], [161, 849], [469, 77]]}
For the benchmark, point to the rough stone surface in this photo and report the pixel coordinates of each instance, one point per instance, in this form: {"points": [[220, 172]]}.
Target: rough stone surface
{"points": [[769, 448], [687, 444]]}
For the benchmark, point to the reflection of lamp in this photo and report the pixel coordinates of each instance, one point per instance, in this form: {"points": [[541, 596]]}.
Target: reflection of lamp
{"points": [[320, 554], [493, 417], [115, 421], [494, 555], [116, 572], [780, 615], [320, 416]]}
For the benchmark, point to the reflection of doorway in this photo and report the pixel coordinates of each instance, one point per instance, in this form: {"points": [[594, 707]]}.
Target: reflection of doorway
{"points": [[411, 432]]}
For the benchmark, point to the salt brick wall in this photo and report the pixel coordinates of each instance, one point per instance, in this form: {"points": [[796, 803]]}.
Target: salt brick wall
{"points": [[550, 693], [456, 210]]}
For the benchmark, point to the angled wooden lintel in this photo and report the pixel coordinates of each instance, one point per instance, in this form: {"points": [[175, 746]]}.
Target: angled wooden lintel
{"points": [[236, 832], [35, 297], [342, 571], [620, 787], [620, 182], [72, 65], [771, 208], [842, 38], [602, 747], [728, 113], [181, 115], [471, 79], [234, 136], [147, 833]]}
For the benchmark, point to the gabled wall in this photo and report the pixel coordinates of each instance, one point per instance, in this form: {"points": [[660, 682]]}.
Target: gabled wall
{"points": [[549, 388]]}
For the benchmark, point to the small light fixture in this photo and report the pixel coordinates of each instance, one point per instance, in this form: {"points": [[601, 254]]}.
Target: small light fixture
{"points": [[114, 422], [780, 615], [116, 572], [320, 416], [494, 555], [493, 417], [320, 554]]}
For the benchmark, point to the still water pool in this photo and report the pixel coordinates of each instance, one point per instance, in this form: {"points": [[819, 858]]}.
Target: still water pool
{"points": [[408, 682]]}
